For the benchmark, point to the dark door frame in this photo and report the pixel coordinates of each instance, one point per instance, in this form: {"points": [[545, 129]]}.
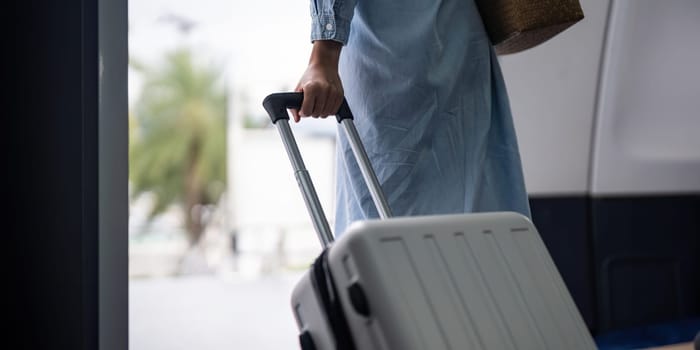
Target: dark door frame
{"points": [[66, 174]]}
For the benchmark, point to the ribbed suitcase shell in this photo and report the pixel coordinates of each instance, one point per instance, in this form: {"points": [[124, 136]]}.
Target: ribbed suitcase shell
{"points": [[469, 281]]}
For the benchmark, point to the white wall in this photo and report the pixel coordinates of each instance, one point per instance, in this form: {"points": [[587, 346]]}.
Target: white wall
{"points": [[649, 118], [552, 90], [641, 94], [267, 209], [265, 189]]}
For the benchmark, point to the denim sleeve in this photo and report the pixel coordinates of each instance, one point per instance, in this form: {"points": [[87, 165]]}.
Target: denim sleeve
{"points": [[330, 19]]}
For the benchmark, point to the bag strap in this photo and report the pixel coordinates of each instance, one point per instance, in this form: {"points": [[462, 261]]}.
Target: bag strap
{"points": [[330, 301]]}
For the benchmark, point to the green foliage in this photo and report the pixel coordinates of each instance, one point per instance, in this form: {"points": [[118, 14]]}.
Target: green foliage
{"points": [[177, 147]]}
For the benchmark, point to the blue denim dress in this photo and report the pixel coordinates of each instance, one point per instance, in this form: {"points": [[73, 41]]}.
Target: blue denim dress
{"points": [[430, 105]]}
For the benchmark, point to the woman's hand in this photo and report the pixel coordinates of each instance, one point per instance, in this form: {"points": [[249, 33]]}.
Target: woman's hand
{"points": [[323, 91]]}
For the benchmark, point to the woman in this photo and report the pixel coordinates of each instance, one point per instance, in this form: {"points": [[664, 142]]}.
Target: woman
{"points": [[429, 102]]}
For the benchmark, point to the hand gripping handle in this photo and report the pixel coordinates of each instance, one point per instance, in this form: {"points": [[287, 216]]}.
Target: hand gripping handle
{"points": [[277, 104]]}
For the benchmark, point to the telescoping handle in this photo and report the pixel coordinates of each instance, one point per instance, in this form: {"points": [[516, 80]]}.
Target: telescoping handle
{"points": [[276, 106]]}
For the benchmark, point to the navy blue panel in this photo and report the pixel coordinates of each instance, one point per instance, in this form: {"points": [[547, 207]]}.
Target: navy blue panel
{"points": [[647, 259], [650, 336], [563, 225]]}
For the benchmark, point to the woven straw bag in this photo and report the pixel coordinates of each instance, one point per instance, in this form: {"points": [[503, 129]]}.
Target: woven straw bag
{"points": [[517, 25]]}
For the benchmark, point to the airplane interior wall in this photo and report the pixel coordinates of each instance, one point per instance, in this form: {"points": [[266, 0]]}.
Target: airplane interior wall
{"points": [[606, 116]]}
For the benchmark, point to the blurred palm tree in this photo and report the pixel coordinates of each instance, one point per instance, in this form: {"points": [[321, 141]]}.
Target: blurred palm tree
{"points": [[177, 147]]}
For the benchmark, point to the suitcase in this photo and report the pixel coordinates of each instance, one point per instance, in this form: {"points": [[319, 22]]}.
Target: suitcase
{"points": [[467, 281]]}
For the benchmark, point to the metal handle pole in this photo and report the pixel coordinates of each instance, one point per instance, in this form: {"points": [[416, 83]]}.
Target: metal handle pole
{"points": [[368, 174], [276, 106], [313, 204]]}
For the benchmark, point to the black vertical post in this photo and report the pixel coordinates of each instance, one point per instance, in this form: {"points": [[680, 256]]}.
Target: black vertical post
{"points": [[54, 170]]}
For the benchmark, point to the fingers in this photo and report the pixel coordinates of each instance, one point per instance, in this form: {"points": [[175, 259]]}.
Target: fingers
{"points": [[335, 106], [295, 112], [320, 102], [311, 97], [323, 92], [321, 105], [332, 103]]}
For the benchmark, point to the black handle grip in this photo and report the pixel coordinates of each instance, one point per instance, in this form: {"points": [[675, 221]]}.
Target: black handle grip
{"points": [[277, 104]]}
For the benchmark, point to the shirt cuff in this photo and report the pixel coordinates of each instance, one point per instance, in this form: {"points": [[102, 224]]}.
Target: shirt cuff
{"points": [[326, 26]]}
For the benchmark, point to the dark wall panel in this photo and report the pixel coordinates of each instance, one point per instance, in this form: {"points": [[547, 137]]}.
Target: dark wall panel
{"points": [[563, 224], [647, 259]]}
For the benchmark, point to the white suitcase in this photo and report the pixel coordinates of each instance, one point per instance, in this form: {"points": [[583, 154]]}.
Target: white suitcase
{"points": [[468, 281]]}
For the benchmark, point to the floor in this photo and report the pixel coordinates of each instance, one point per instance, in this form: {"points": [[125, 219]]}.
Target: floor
{"points": [[211, 312]]}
